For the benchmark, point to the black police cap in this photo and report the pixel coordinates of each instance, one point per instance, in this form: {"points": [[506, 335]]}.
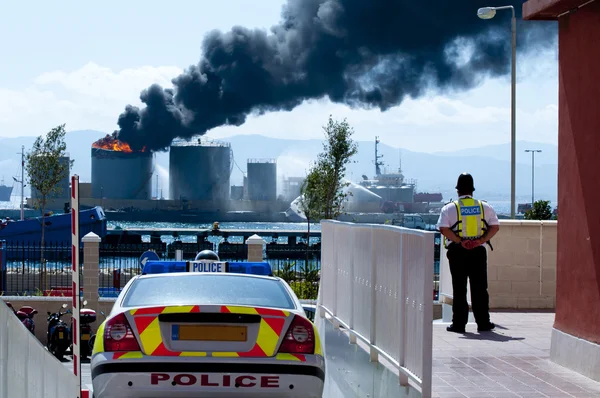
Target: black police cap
{"points": [[465, 183]]}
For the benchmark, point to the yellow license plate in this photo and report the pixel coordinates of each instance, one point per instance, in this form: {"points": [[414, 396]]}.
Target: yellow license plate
{"points": [[61, 335], [213, 333], [85, 337]]}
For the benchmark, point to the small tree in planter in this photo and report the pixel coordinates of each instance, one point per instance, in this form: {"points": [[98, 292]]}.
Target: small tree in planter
{"points": [[46, 169]]}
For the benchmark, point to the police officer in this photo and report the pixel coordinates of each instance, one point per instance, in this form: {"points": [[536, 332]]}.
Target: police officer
{"points": [[467, 224]]}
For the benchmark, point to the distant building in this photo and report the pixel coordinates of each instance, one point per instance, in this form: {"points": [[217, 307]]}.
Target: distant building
{"points": [[237, 192], [262, 179], [291, 187]]}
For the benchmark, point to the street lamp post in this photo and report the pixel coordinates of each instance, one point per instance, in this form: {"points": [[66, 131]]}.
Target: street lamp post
{"points": [[489, 13], [533, 151]]}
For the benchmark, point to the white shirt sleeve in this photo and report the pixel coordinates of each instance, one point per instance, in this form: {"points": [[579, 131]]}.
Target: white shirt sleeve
{"points": [[490, 214], [444, 220]]}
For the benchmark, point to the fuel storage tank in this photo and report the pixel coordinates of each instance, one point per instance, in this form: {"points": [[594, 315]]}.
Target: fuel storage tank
{"points": [[200, 169], [262, 179], [120, 174]]}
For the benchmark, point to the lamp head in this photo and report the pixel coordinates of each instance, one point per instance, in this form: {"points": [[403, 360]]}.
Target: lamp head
{"points": [[486, 12]]}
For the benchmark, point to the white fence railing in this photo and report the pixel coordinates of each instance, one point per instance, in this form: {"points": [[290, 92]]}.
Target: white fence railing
{"points": [[376, 281], [27, 369]]}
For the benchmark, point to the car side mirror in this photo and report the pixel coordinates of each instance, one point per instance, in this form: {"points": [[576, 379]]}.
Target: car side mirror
{"points": [[34, 312], [49, 313]]}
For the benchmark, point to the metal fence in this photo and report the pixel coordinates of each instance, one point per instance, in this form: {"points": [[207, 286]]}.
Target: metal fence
{"points": [[378, 283], [32, 270], [120, 263]]}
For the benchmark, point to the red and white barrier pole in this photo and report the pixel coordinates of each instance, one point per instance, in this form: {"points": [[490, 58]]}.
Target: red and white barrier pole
{"points": [[75, 332]]}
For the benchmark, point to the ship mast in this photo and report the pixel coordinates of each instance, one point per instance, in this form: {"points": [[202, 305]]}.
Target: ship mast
{"points": [[377, 157]]}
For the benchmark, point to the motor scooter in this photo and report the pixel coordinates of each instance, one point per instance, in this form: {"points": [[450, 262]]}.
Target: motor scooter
{"points": [[87, 316], [59, 334], [28, 321], [25, 315]]}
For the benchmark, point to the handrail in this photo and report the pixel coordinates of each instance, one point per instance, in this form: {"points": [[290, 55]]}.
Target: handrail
{"points": [[376, 282]]}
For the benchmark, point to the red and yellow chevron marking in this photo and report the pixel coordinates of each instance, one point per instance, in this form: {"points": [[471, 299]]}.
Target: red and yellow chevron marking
{"points": [[99, 341], [318, 347], [291, 357], [270, 329], [146, 321], [127, 355]]}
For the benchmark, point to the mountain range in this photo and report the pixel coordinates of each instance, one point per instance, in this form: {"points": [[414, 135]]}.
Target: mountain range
{"points": [[433, 172]]}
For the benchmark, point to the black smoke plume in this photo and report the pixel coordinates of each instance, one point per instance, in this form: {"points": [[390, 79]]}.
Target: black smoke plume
{"points": [[363, 53]]}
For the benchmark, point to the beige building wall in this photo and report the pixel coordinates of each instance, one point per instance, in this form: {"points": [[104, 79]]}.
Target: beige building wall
{"points": [[521, 268]]}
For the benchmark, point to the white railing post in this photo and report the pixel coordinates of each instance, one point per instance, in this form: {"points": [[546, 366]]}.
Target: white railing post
{"points": [[427, 314], [352, 286], [374, 355], [334, 283], [324, 250], [75, 268], [402, 297]]}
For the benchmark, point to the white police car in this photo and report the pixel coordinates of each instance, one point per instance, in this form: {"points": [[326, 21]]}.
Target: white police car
{"points": [[207, 329]]}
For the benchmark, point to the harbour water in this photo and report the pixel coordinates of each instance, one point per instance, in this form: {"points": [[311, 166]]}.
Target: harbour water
{"points": [[501, 207]]}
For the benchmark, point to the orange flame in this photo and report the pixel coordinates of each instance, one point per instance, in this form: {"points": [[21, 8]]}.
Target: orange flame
{"points": [[111, 143]]}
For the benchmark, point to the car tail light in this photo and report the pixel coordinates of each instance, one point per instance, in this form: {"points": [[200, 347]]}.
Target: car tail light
{"points": [[118, 335], [300, 337]]}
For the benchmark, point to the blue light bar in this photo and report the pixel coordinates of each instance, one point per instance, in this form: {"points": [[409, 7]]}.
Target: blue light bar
{"points": [[166, 267], [263, 268]]}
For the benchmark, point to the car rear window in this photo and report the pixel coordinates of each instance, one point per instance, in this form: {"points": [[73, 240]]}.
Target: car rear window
{"points": [[197, 289]]}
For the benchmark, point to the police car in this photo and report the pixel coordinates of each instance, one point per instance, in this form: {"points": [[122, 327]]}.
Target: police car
{"points": [[207, 328]]}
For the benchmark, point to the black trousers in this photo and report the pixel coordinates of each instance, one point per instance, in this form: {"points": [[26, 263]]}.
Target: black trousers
{"points": [[471, 264]]}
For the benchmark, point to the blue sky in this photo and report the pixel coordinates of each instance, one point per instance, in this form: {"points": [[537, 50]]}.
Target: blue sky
{"points": [[80, 63]]}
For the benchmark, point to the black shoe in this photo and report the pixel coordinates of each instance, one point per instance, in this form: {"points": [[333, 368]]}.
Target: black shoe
{"points": [[455, 329], [486, 328]]}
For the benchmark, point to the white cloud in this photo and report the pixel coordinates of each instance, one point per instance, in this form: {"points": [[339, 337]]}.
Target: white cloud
{"points": [[96, 82], [93, 96]]}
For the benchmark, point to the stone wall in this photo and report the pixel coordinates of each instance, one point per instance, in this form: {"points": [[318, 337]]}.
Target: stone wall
{"points": [[53, 304], [521, 268]]}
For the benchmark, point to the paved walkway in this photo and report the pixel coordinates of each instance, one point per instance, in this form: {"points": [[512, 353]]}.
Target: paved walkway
{"points": [[512, 361]]}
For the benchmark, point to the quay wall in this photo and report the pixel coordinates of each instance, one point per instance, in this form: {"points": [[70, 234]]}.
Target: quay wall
{"points": [[260, 206]]}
